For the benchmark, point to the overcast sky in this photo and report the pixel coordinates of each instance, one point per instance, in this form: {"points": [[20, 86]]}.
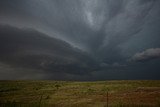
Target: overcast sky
{"points": [[79, 39]]}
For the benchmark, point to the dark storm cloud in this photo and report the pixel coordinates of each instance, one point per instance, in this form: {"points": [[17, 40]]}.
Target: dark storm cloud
{"points": [[99, 24], [106, 33], [32, 49]]}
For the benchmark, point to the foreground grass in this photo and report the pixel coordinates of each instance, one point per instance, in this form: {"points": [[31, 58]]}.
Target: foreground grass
{"points": [[79, 94]]}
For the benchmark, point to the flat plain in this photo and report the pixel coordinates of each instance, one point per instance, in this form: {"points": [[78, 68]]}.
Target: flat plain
{"points": [[113, 93]]}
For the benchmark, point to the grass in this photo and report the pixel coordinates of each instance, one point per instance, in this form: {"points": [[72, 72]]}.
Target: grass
{"points": [[80, 94]]}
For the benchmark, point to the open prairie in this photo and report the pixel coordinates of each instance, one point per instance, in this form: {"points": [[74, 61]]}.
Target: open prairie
{"points": [[117, 93]]}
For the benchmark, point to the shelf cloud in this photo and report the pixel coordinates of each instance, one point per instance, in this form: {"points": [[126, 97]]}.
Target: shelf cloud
{"points": [[79, 39]]}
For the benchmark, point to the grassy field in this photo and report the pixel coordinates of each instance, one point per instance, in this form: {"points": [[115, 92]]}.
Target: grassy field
{"points": [[79, 94]]}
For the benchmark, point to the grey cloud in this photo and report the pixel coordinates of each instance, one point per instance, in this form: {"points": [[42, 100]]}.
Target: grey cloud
{"points": [[71, 38], [115, 64], [149, 54], [10, 72], [31, 49], [89, 25]]}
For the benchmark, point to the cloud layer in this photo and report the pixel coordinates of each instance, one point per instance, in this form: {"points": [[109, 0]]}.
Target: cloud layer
{"points": [[79, 39], [31, 49], [149, 54]]}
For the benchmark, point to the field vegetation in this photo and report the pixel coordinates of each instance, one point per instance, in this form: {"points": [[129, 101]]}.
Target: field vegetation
{"points": [[80, 94]]}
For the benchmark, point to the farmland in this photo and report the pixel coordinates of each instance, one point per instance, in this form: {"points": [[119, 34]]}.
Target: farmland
{"points": [[115, 93]]}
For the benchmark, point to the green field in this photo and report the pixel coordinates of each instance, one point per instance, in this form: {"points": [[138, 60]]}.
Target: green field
{"points": [[79, 94]]}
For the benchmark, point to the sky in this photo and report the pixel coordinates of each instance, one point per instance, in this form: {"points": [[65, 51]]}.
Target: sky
{"points": [[80, 39]]}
